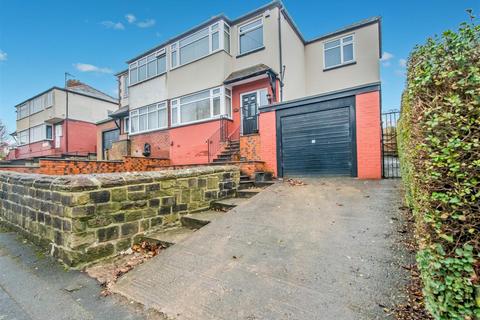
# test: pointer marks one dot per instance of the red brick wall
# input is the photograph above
(130, 164)
(158, 140)
(369, 155)
(82, 137)
(250, 148)
(268, 141)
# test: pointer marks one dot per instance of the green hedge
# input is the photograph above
(439, 144)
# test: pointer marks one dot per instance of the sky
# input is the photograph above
(92, 39)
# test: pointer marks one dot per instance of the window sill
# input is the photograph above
(249, 52)
(340, 66)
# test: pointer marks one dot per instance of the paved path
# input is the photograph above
(36, 287)
(321, 251)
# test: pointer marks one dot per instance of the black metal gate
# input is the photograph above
(390, 161)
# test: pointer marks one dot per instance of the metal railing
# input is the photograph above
(390, 161)
(220, 138)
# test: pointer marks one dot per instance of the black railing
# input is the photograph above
(220, 138)
(390, 161)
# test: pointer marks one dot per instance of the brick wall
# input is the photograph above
(85, 218)
(129, 164)
(250, 148)
(158, 140)
(268, 141)
(369, 155)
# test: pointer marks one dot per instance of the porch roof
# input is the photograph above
(249, 72)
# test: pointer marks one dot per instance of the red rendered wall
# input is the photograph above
(369, 155)
(268, 142)
(82, 137)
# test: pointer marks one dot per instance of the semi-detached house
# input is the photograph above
(255, 91)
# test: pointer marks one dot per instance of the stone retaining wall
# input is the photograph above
(84, 218)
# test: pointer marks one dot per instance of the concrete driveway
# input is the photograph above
(321, 251)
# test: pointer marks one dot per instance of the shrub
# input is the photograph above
(439, 145)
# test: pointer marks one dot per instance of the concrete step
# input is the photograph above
(244, 178)
(227, 204)
(264, 184)
(199, 219)
(248, 193)
(245, 184)
(169, 237)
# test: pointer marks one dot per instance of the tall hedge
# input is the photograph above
(439, 144)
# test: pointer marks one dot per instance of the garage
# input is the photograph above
(317, 138)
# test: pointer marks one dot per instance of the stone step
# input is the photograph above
(263, 176)
(199, 219)
(264, 184)
(244, 178)
(227, 204)
(248, 193)
(245, 184)
(169, 237)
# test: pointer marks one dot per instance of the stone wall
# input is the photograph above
(85, 218)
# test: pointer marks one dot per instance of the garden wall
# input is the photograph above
(85, 218)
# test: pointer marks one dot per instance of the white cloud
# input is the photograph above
(85, 67)
(386, 57)
(130, 18)
(402, 63)
(113, 25)
(3, 56)
(146, 23)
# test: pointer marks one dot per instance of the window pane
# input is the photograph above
(195, 111)
(153, 120)
(332, 57)
(348, 52)
(194, 37)
(194, 50)
(152, 71)
(216, 106)
(216, 91)
(332, 44)
(174, 58)
(251, 25)
(133, 75)
(196, 96)
(134, 123)
(174, 115)
(142, 72)
(251, 40)
(143, 122)
(263, 98)
(348, 39)
(228, 106)
(162, 118)
(226, 41)
(162, 64)
(215, 41)
(49, 132)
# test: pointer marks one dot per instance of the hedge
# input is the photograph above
(439, 145)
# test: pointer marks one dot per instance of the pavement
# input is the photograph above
(326, 250)
(33, 286)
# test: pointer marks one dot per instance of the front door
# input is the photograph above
(58, 135)
(249, 113)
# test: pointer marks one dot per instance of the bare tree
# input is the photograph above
(4, 139)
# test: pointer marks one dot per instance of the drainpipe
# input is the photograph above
(280, 50)
(66, 113)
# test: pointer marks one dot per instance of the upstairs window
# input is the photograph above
(339, 51)
(22, 111)
(200, 44)
(251, 36)
(125, 85)
(35, 105)
(148, 67)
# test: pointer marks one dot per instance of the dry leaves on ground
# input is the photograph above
(108, 272)
(296, 182)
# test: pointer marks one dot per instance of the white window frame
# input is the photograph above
(125, 80)
(341, 45)
(35, 105)
(251, 29)
(136, 64)
(258, 91)
(23, 132)
(136, 114)
(175, 104)
(126, 125)
(175, 47)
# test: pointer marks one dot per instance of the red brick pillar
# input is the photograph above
(268, 140)
(369, 154)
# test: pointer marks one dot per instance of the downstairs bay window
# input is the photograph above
(34, 134)
(201, 106)
(149, 118)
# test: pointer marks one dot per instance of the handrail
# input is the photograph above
(218, 139)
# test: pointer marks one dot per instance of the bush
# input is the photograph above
(439, 145)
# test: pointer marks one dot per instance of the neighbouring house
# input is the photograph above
(60, 122)
(253, 90)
